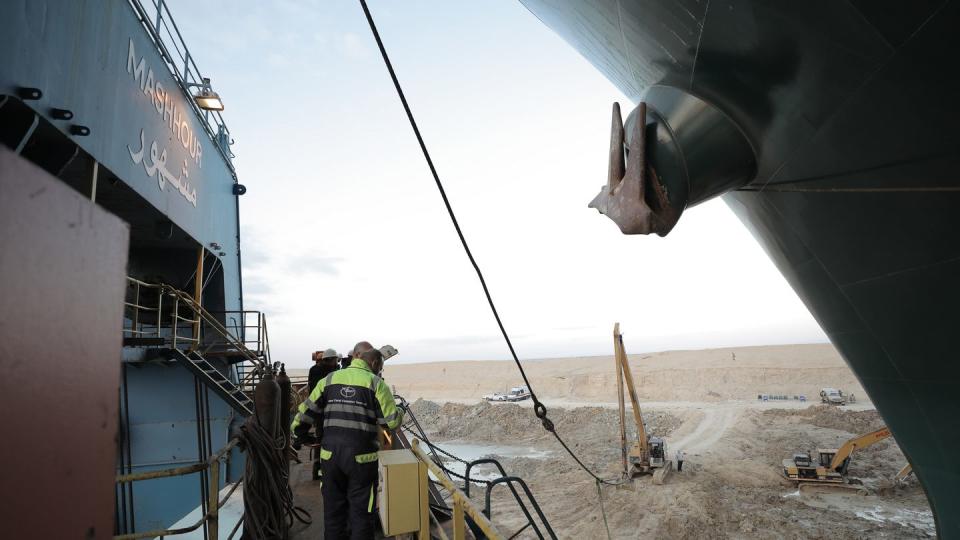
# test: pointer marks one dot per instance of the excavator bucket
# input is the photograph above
(660, 475)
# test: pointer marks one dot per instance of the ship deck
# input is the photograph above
(306, 495)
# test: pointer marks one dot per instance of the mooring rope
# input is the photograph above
(539, 409)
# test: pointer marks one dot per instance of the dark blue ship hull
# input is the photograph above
(850, 113)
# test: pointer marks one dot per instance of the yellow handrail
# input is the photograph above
(461, 503)
(200, 315)
(214, 503)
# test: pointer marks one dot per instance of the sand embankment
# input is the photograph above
(698, 375)
(731, 485)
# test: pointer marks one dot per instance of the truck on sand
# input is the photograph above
(834, 396)
(517, 393)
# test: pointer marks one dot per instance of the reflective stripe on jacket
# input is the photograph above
(351, 403)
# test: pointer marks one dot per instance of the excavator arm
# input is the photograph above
(904, 473)
(862, 441)
(624, 372)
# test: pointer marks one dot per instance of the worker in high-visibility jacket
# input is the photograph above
(351, 406)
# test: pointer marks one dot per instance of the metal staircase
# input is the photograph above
(214, 379)
(166, 319)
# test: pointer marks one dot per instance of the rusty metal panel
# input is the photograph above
(62, 268)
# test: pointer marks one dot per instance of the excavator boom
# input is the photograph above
(624, 372)
(862, 441)
(648, 454)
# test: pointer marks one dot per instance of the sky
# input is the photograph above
(345, 237)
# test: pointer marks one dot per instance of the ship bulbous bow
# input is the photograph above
(674, 151)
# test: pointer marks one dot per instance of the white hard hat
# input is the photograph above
(330, 353)
(388, 351)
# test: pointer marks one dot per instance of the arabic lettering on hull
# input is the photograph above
(157, 166)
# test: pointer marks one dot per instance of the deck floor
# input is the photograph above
(306, 494)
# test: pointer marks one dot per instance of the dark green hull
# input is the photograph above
(850, 110)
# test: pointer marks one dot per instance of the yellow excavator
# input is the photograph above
(832, 463)
(648, 454)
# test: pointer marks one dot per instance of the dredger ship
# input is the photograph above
(828, 127)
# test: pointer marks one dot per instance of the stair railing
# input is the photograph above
(149, 322)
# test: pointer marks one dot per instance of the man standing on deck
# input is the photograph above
(357, 350)
(326, 363)
(352, 403)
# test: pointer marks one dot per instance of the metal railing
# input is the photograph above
(161, 315)
(153, 322)
(510, 481)
(213, 502)
(156, 18)
(249, 326)
(462, 505)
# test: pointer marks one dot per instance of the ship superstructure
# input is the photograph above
(103, 95)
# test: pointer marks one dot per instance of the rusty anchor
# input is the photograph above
(634, 197)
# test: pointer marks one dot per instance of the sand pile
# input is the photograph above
(704, 402)
(505, 422)
(829, 416)
(730, 488)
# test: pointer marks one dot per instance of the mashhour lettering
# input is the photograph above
(163, 101)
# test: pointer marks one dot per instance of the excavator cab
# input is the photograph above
(658, 451)
(826, 459)
(826, 456)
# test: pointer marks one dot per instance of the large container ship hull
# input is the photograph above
(849, 112)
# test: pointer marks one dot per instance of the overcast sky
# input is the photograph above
(345, 237)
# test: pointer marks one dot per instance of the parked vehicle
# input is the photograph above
(518, 393)
(832, 396)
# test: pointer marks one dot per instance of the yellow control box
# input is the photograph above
(402, 494)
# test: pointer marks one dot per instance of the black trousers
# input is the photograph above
(348, 491)
(679, 465)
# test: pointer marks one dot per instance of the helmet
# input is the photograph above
(388, 351)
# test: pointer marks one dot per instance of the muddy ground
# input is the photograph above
(731, 485)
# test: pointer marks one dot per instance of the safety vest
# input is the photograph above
(352, 404)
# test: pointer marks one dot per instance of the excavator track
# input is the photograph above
(660, 475)
(842, 488)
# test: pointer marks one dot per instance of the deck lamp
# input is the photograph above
(207, 99)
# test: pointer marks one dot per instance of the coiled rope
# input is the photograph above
(267, 498)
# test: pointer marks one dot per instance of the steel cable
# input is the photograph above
(603, 512)
(540, 410)
(426, 440)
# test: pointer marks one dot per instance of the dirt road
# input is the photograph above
(696, 437)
